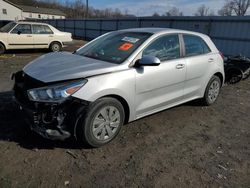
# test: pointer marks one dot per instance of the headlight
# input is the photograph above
(55, 93)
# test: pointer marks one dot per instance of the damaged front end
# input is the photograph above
(49, 109)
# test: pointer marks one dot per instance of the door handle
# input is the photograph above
(211, 60)
(180, 66)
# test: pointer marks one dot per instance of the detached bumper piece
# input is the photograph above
(54, 121)
(236, 69)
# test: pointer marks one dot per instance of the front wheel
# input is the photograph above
(212, 91)
(101, 123)
(2, 48)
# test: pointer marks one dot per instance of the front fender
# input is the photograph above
(121, 83)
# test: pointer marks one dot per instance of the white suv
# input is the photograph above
(27, 35)
(115, 79)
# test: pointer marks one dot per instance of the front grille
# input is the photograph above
(23, 83)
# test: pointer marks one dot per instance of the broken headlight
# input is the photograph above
(55, 93)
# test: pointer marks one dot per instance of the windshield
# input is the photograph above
(7, 27)
(115, 47)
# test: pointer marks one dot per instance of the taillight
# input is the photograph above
(221, 54)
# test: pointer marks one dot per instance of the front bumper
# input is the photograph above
(54, 121)
(51, 121)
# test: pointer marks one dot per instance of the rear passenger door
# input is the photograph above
(42, 35)
(198, 57)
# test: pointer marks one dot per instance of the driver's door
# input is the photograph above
(21, 37)
(158, 87)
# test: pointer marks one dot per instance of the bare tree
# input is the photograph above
(156, 14)
(227, 9)
(174, 12)
(240, 7)
(203, 10)
(237, 7)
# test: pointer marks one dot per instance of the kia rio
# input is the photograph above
(117, 78)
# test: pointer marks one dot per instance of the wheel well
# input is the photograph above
(3, 44)
(55, 42)
(220, 76)
(124, 104)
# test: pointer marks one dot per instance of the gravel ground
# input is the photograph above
(186, 146)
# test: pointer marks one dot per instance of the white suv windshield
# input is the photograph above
(114, 47)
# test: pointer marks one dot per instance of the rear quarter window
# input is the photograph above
(195, 45)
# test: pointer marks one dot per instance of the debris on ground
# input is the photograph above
(72, 154)
(237, 68)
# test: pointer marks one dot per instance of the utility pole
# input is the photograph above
(87, 8)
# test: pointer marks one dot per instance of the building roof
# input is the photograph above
(12, 4)
(33, 9)
(41, 10)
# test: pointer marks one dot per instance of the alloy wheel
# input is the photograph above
(214, 90)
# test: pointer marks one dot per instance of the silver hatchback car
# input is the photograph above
(117, 78)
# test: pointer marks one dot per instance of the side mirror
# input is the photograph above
(19, 32)
(148, 61)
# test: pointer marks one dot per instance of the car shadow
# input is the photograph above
(13, 128)
(27, 51)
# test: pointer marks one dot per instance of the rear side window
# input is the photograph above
(195, 45)
(22, 29)
(165, 48)
(41, 29)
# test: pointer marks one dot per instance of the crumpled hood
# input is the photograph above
(60, 66)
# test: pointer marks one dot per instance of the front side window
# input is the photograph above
(165, 48)
(4, 11)
(41, 29)
(22, 29)
(195, 45)
(115, 47)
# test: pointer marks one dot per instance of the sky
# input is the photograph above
(148, 7)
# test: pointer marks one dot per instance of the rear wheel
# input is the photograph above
(101, 123)
(55, 47)
(2, 48)
(212, 91)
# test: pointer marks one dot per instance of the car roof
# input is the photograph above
(158, 30)
(21, 22)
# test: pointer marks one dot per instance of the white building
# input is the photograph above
(11, 11)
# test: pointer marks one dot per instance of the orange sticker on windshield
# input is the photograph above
(126, 46)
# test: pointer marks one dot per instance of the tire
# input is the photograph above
(246, 74)
(212, 91)
(55, 47)
(93, 128)
(2, 48)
